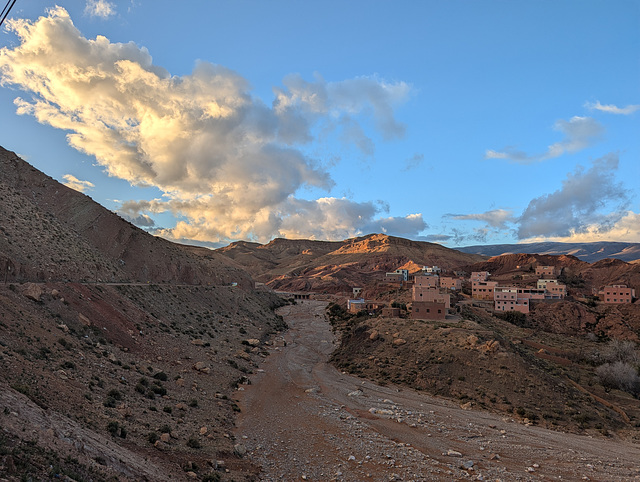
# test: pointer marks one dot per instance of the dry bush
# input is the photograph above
(621, 375)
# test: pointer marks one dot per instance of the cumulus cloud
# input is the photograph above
(228, 165)
(578, 205)
(75, 183)
(579, 133)
(496, 218)
(613, 109)
(99, 8)
(589, 206)
(624, 228)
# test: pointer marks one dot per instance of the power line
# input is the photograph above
(5, 11)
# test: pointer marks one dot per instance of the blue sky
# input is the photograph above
(459, 122)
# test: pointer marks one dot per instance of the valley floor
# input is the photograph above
(303, 420)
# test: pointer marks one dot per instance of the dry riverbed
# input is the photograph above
(303, 420)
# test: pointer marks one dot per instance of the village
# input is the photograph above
(432, 293)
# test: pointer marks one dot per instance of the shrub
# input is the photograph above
(194, 443)
(622, 351)
(115, 394)
(619, 375)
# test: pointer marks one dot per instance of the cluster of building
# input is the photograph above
(517, 298)
(431, 292)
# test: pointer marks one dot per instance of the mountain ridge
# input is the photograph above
(589, 252)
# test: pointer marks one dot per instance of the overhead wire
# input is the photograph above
(5, 11)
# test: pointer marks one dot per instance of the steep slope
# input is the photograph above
(338, 266)
(119, 352)
(112, 249)
(589, 252)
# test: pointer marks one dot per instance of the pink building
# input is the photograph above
(428, 310)
(548, 272)
(431, 295)
(553, 289)
(508, 299)
(479, 276)
(451, 283)
(617, 294)
(483, 290)
(426, 281)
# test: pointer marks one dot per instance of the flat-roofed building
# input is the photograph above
(483, 290)
(617, 294)
(428, 310)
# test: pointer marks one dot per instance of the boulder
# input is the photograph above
(32, 291)
(399, 341)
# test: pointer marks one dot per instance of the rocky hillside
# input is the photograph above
(333, 267)
(72, 237)
(582, 278)
(119, 351)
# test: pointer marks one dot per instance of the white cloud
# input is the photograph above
(579, 133)
(75, 183)
(228, 165)
(99, 8)
(613, 109)
(626, 228)
(586, 199)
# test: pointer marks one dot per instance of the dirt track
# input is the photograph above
(303, 420)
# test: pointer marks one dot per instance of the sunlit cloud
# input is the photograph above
(99, 8)
(75, 183)
(613, 109)
(626, 228)
(579, 133)
(229, 166)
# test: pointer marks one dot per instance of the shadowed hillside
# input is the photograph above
(119, 351)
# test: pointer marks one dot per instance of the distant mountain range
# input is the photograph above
(589, 252)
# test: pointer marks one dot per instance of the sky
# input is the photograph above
(456, 122)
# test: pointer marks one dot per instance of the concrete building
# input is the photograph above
(548, 272)
(617, 294)
(431, 269)
(483, 290)
(553, 289)
(390, 312)
(479, 276)
(450, 283)
(398, 275)
(426, 281)
(432, 295)
(428, 310)
(508, 299)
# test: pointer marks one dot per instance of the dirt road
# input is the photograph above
(303, 420)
